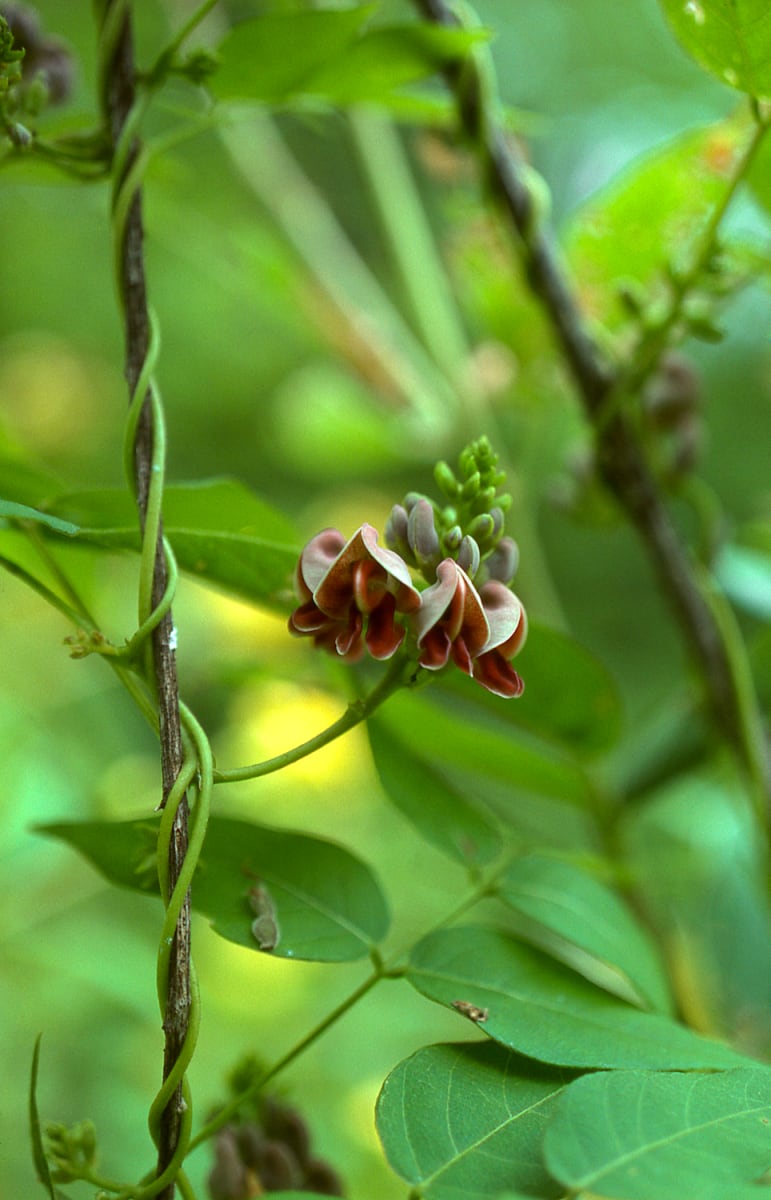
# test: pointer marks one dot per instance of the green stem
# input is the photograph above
(166, 57)
(358, 711)
(232, 1109)
(382, 970)
(654, 342)
(133, 683)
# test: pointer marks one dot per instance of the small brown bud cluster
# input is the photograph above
(672, 411)
(46, 68)
(270, 1154)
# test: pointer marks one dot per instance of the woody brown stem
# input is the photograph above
(621, 459)
(119, 100)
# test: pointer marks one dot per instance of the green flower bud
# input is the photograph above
(445, 480)
(482, 527)
(471, 487)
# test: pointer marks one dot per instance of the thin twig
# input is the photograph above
(119, 100)
(620, 456)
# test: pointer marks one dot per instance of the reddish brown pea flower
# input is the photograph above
(479, 630)
(350, 593)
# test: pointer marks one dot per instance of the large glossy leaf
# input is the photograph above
(546, 1011)
(570, 698)
(731, 38)
(639, 1135)
(650, 216)
(219, 529)
(328, 905)
(466, 1121)
(329, 55)
(443, 814)
(450, 738)
(698, 863)
(576, 918)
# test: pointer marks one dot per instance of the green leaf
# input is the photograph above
(38, 1153)
(22, 512)
(639, 1135)
(444, 734)
(273, 56)
(587, 926)
(542, 1009)
(220, 531)
(327, 903)
(570, 698)
(27, 483)
(650, 216)
(467, 1120)
(327, 55)
(698, 864)
(442, 813)
(389, 57)
(730, 38)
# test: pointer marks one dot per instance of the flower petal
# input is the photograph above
(384, 636)
(334, 591)
(435, 649)
(497, 675)
(454, 601)
(407, 595)
(317, 557)
(506, 619)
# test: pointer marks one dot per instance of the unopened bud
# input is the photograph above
(422, 535)
(445, 480)
(482, 528)
(503, 562)
(228, 1177)
(396, 530)
(471, 487)
(322, 1179)
(673, 393)
(468, 556)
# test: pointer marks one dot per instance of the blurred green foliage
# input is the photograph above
(267, 245)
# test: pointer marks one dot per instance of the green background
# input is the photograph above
(256, 385)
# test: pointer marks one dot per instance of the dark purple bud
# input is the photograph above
(228, 1177)
(322, 1179)
(396, 532)
(280, 1170)
(284, 1124)
(422, 535)
(503, 562)
(251, 1144)
(468, 556)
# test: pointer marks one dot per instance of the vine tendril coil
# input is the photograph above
(129, 164)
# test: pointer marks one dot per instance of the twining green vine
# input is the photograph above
(447, 546)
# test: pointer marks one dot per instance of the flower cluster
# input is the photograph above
(357, 595)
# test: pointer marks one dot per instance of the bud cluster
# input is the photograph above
(468, 529)
(70, 1150)
(271, 1153)
(35, 70)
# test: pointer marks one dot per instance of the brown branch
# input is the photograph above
(620, 456)
(119, 99)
